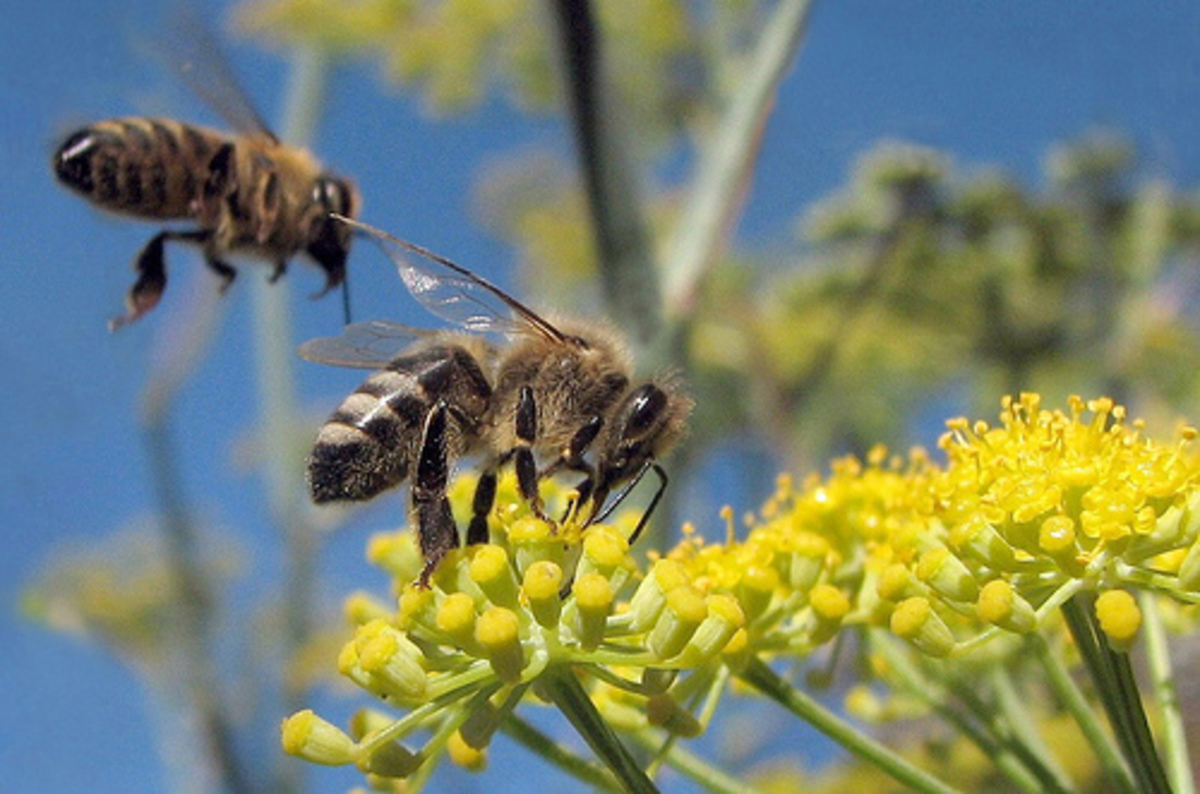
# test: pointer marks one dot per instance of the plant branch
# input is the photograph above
(723, 173)
(623, 247)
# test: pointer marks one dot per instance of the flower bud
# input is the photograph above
(915, 620)
(650, 598)
(498, 630)
(684, 612)
(394, 662)
(490, 570)
(663, 711)
(593, 601)
(829, 605)
(314, 739)
(756, 589)
(947, 575)
(392, 760)
(542, 587)
(724, 619)
(1001, 605)
(1119, 617)
(464, 755)
(456, 619)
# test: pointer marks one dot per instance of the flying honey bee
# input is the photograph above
(246, 192)
(556, 392)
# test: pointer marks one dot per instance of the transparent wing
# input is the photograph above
(450, 291)
(193, 52)
(369, 345)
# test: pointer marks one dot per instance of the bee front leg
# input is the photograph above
(572, 458)
(436, 529)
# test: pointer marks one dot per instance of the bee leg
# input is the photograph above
(278, 271)
(435, 522)
(151, 269)
(223, 269)
(523, 460)
(572, 458)
(629, 486)
(481, 505)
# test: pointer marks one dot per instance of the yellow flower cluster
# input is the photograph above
(497, 619)
(1021, 518)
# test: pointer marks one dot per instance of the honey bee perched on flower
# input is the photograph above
(557, 395)
(245, 192)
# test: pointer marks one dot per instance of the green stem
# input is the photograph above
(1115, 684)
(562, 688)
(694, 767)
(275, 371)
(936, 698)
(758, 675)
(623, 248)
(726, 164)
(193, 604)
(1025, 736)
(1077, 706)
(1174, 735)
(551, 751)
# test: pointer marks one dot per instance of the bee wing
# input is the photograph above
(193, 51)
(450, 291)
(369, 345)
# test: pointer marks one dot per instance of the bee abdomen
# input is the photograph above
(362, 450)
(143, 167)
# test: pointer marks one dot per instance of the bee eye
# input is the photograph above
(646, 405)
(333, 194)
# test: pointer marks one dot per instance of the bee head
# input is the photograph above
(329, 239)
(648, 422)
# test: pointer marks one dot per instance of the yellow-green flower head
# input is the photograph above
(1044, 505)
(538, 599)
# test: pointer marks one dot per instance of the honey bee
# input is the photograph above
(246, 192)
(555, 396)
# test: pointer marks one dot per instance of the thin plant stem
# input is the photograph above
(726, 163)
(694, 767)
(935, 696)
(563, 689)
(1000, 732)
(1077, 706)
(758, 675)
(193, 605)
(623, 248)
(1174, 736)
(554, 753)
(1024, 731)
(1113, 676)
(274, 348)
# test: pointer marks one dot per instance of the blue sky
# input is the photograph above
(990, 83)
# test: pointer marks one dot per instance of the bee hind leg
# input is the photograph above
(436, 529)
(481, 506)
(151, 269)
(224, 271)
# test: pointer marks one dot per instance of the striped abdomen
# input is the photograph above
(151, 168)
(371, 442)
